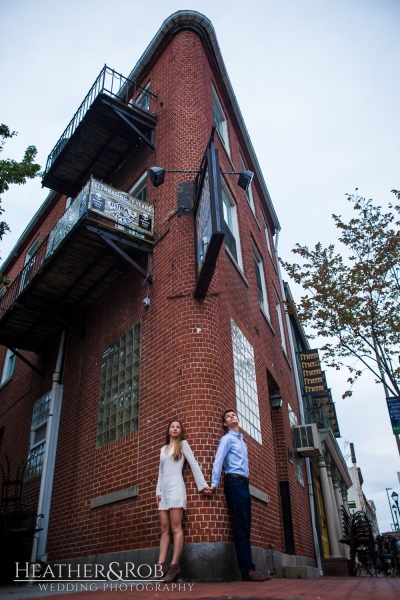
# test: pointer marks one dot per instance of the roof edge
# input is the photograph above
(183, 19)
(14, 254)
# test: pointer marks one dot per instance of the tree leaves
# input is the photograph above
(355, 297)
(12, 171)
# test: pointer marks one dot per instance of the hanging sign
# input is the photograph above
(129, 214)
(209, 222)
(393, 405)
(316, 386)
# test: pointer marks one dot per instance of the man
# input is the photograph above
(232, 456)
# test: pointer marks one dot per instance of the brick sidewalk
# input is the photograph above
(326, 588)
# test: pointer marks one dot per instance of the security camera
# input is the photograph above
(146, 302)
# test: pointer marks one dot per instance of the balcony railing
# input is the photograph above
(24, 277)
(112, 84)
(103, 206)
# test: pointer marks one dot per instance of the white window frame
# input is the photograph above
(222, 129)
(262, 301)
(266, 235)
(244, 368)
(9, 366)
(30, 253)
(297, 460)
(35, 469)
(249, 191)
(278, 307)
(143, 98)
(140, 184)
(229, 207)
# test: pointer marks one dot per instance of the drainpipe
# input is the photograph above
(301, 408)
(49, 458)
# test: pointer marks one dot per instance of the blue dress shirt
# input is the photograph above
(232, 456)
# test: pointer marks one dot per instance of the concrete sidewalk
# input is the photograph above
(325, 588)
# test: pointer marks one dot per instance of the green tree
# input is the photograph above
(12, 171)
(354, 298)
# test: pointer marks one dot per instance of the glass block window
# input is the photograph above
(245, 383)
(298, 467)
(119, 388)
(38, 437)
(297, 460)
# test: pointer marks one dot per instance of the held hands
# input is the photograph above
(208, 491)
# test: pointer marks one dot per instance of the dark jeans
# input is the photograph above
(237, 494)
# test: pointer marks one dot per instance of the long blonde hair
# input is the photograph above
(178, 443)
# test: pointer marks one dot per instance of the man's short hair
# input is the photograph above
(225, 413)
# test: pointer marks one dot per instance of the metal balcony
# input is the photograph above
(103, 233)
(109, 125)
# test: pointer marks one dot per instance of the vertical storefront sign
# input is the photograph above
(209, 222)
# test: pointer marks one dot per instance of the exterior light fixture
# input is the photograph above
(276, 400)
(245, 179)
(395, 497)
(157, 175)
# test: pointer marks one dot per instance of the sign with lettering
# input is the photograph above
(130, 214)
(67, 222)
(393, 405)
(209, 221)
(315, 385)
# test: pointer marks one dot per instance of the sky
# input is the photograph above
(317, 83)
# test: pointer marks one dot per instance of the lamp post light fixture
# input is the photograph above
(396, 523)
(276, 400)
(395, 508)
(390, 506)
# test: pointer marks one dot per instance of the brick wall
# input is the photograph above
(186, 351)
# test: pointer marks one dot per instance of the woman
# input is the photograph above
(171, 495)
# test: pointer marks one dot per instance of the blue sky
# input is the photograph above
(317, 83)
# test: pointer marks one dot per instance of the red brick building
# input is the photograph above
(102, 308)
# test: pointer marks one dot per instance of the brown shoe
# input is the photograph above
(172, 574)
(164, 569)
(255, 576)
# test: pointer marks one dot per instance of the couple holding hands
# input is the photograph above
(171, 497)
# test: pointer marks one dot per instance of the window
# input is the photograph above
(280, 320)
(231, 225)
(27, 274)
(249, 192)
(143, 99)
(119, 388)
(245, 383)
(260, 279)
(138, 190)
(220, 120)
(267, 238)
(298, 464)
(9, 366)
(38, 436)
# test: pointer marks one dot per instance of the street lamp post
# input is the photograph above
(396, 523)
(395, 508)
(390, 506)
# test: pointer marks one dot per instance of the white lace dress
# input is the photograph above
(170, 482)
